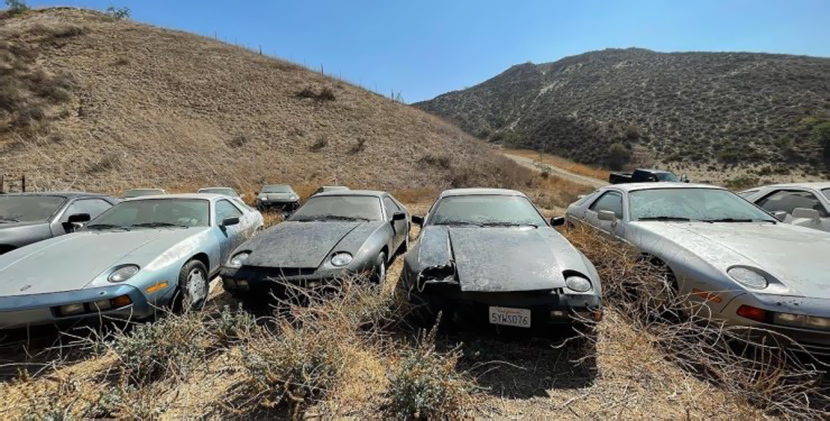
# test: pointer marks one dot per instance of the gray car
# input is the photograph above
(132, 193)
(227, 191)
(279, 196)
(802, 204)
(142, 253)
(26, 218)
(324, 189)
(489, 256)
(727, 256)
(333, 234)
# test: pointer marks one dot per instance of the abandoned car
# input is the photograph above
(803, 204)
(279, 196)
(140, 254)
(227, 191)
(489, 256)
(332, 235)
(26, 218)
(722, 255)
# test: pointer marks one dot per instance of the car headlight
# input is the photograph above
(802, 320)
(123, 273)
(748, 277)
(578, 283)
(341, 259)
(239, 259)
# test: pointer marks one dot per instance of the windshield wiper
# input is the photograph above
(7, 220)
(158, 225)
(509, 224)
(664, 218)
(738, 220)
(462, 223)
(317, 218)
(106, 227)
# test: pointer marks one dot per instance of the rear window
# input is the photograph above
(29, 208)
(277, 189)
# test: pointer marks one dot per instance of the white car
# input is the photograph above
(802, 204)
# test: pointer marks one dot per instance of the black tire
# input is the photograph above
(405, 245)
(379, 271)
(193, 287)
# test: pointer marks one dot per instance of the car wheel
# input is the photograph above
(379, 272)
(193, 287)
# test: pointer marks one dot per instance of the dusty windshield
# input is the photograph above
(28, 208)
(277, 189)
(486, 211)
(339, 208)
(826, 193)
(143, 192)
(154, 213)
(694, 205)
(666, 177)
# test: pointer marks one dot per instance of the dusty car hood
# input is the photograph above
(499, 259)
(72, 261)
(303, 244)
(799, 257)
(277, 197)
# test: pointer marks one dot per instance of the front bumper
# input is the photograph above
(41, 309)
(258, 281)
(548, 310)
(271, 204)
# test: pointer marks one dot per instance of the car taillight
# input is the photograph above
(753, 313)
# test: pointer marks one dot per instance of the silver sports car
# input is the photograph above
(748, 268)
(140, 254)
(802, 204)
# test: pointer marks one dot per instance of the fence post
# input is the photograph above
(23, 183)
(2, 182)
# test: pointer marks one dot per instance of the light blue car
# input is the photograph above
(140, 255)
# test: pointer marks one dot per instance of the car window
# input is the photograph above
(485, 210)
(610, 201)
(391, 207)
(277, 189)
(826, 193)
(242, 204)
(747, 193)
(666, 177)
(225, 210)
(147, 213)
(93, 207)
(586, 198)
(29, 208)
(693, 204)
(787, 200)
(345, 207)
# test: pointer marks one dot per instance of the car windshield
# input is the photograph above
(154, 213)
(142, 192)
(277, 189)
(826, 193)
(711, 205)
(339, 208)
(227, 192)
(666, 177)
(28, 208)
(482, 210)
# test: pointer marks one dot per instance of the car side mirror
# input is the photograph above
(806, 213)
(557, 221)
(684, 178)
(229, 222)
(780, 215)
(605, 215)
(79, 218)
(418, 220)
(398, 216)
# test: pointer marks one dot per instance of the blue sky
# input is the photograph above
(423, 48)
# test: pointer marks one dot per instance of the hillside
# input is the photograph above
(718, 109)
(90, 102)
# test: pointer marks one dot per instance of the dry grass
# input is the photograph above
(559, 162)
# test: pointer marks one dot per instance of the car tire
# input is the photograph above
(379, 271)
(193, 287)
(405, 244)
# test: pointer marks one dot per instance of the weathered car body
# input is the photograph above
(325, 189)
(746, 271)
(27, 218)
(803, 204)
(227, 191)
(478, 271)
(117, 267)
(280, 196)
(133, 193)
(307, 247)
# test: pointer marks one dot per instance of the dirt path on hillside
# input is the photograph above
(576, 178)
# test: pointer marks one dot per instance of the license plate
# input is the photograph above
(518, 317)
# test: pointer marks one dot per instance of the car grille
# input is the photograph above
(277, 273)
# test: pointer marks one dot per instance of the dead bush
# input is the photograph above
(437, 160)
(319, 144)
(426, 384)
(359, 146)
(324, 95)
(238, 141)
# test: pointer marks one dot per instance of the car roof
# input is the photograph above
(481, 192)
(66, 194)
(145, 188)
(204, 196)
(629, 187)
(373, 193)
(811, 185)
(654, 171)
(215, 188)
(335, 187)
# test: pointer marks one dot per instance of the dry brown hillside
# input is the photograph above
(90, 102)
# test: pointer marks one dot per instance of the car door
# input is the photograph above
(787, 200)
(230, 237)
(609, 201)
(91, 206)
(399, 227)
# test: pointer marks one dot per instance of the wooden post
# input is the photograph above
(2, 182)
(23, 183)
